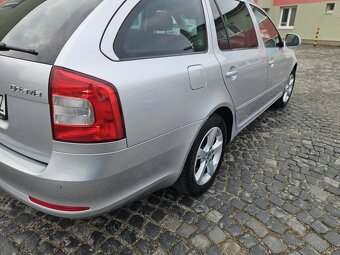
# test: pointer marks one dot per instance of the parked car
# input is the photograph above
(104, 101)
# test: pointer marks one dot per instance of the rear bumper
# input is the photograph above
(101, 181)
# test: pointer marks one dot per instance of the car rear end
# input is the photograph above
(41, 104)
(64, 145)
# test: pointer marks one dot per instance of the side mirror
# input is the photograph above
(292, 40)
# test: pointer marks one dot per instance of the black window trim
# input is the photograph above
(119, 59)
(225, 28)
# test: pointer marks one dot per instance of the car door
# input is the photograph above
(162, 59)
(243, 61)
(278, 57)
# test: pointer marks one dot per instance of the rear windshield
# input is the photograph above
(41, 25)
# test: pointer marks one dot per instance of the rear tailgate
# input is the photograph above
(24, 93)
(43, 26)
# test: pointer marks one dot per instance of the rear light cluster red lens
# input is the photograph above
(84, 109)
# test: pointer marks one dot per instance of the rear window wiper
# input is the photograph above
(5, 47)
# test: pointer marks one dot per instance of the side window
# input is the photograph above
(160, 28)
(222, 37)
(269, 33)
(240, 28)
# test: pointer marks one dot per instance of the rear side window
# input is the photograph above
(238, 25)
(161, 28)
(41, 25)
(222, 37)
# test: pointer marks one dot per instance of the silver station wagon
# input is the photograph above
(103, 101)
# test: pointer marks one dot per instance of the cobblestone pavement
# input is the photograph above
(278, 191)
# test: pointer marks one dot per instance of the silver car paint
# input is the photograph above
(28, 130)
(163, 111)
(146, 83)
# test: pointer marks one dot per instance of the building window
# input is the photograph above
(330, 7)
(288, 15)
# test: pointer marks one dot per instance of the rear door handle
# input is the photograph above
(271, 62)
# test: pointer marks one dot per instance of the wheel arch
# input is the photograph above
(228, 118)
(295, 68)
(221, 111)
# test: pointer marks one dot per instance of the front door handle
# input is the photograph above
(271, 62)
(231, 73)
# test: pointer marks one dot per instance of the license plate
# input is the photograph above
(3, 107)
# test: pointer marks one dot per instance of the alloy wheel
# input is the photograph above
(208, 155)
(289, 88)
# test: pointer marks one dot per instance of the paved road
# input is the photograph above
(278, 191)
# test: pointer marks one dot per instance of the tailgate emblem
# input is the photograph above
(25, 91)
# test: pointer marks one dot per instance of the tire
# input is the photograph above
(200, 171)
(287, 92)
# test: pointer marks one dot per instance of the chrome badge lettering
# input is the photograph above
(17, 89)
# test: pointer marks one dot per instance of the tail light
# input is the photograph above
(84, 109)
